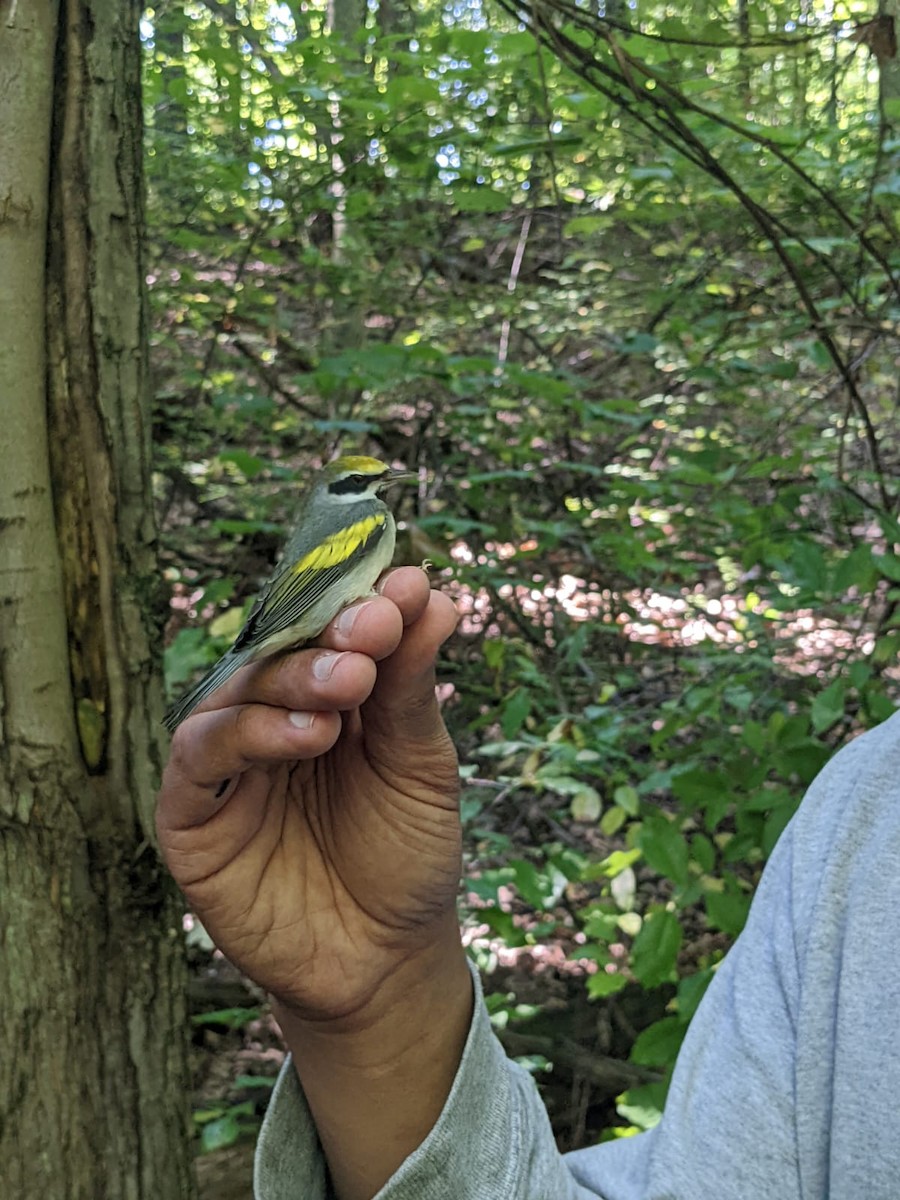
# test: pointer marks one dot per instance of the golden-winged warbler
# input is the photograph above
(341, 541)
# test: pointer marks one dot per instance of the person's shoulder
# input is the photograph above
(842, 848)
(863, 777)
(875, 745)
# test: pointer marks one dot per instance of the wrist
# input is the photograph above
(377, 1081)
(421, 984)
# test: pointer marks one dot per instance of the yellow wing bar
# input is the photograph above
(340, 546)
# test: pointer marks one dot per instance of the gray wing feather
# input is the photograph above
(288, 596)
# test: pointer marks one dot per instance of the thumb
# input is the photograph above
(402, 706)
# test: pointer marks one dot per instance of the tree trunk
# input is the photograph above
(889, 62)
(93, 1083)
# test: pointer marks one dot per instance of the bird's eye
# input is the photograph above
(360, 480)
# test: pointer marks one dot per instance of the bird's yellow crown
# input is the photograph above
(359, 463)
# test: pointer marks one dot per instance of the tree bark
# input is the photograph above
(93, 1081)
(889, 62)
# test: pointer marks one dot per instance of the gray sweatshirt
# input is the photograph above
(787, 1085)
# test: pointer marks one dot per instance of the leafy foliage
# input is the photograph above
(624, 288)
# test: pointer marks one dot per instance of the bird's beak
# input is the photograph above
(400, 476)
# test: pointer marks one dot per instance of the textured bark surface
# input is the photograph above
(93, 1093)
(889, 58)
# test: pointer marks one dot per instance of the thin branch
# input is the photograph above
(551, 145)
(772, 40)
(511, 283)
(600, 29)
(622, 89)
(241, 266)
(270, 377)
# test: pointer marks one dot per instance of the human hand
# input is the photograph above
(323, 856)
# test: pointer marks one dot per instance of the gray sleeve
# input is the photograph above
(786, 1084)
(492, 1140)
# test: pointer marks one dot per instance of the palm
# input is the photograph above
(349, 862)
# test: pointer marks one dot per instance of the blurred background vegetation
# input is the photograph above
(620, 281)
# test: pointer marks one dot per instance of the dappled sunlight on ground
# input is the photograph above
(807, 640)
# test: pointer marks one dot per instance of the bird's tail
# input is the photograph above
(224, 669)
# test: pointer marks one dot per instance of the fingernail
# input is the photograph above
(324, 664)
(347, 619)
(301, 720)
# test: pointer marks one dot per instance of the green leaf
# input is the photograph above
(539, 888)
(802, 761)
(605, 983)
(700, 788)
(879, 707)
(639, 343)
(855, 570)
(888, 565)
(887, 648)
(563, 785)
(775, 825)
(190, 649)
(612, 820)
(727, 910)
(586, 804)
(263, 1082)
(807, 566)
(480, 200)
(820, 355)
(586, 224)
(767, 798)
(703, 852)
(659, 1043)
(470, 43)
(643, 1106)
(828, 706)
(216, 592)
(601, 924)
(250, 465)
(494, 651)
(227, 624)
(514, 712)
(220, 1133)
(664, 847)
(627, 799)
(612, 864)
(516, 45)
(502, 924)
(655, 949)
(233, 1018)
(691, 990)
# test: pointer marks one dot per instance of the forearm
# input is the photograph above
(376, 1083)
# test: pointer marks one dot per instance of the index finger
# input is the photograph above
(211, 751)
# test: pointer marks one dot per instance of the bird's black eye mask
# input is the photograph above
(351, 483)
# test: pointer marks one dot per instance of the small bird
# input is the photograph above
(342, 539)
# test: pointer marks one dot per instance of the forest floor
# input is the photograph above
(236, 1053)
(227, 1174)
